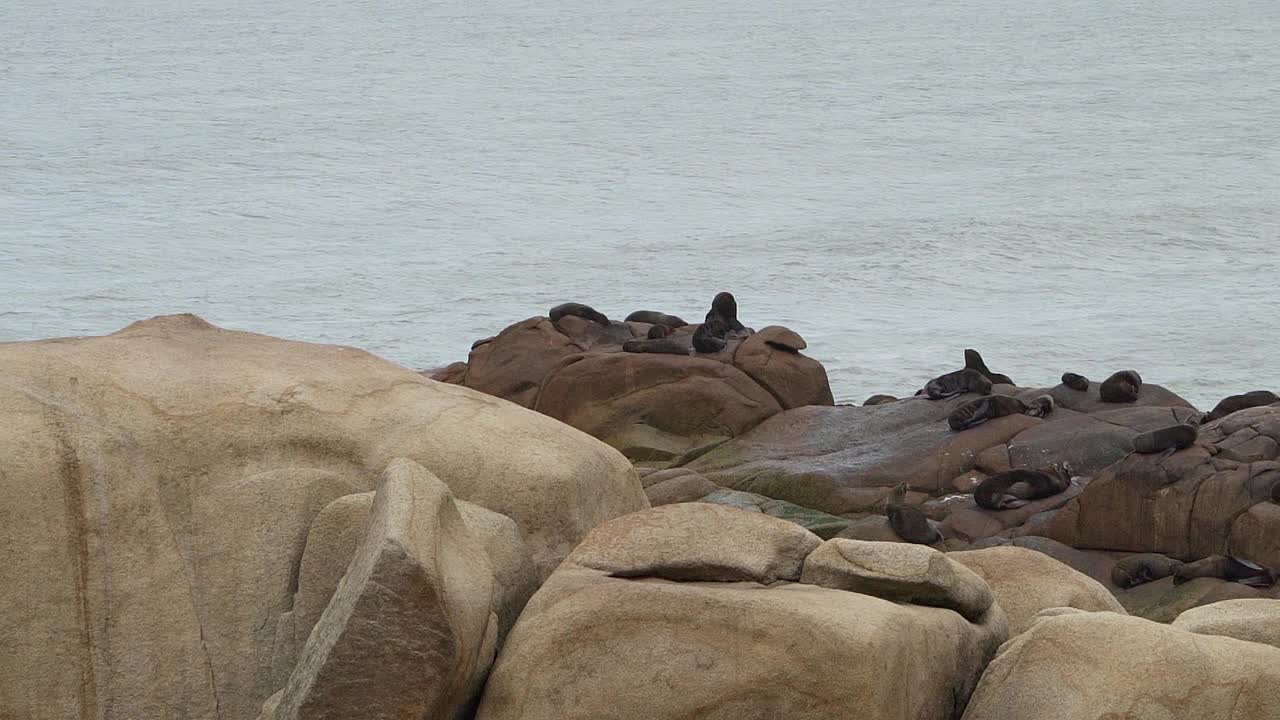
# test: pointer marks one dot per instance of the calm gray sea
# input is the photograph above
(1086, 186)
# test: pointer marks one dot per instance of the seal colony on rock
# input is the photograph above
(1236, 403)
(1122, 387)
(958, 383)
(656, 318)
(1075, 382)
(1143, 568)
(977, 411)
(585, 312)
(907, 521)
(973, 361)
(1013, 488)
(1226, 567)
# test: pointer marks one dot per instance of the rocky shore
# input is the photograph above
(646, 518)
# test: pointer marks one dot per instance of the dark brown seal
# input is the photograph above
(1236, 403)
(1013, 488)
(711, 336)
(1144, 568)
(656, 318)
(1122, 387)
(657, 332)
(1075, 382)
(725, 308)
(1041, 406)
(909, 522)
(1226, 567)
(977, 411)
(1167, 439)
(583, 311)
(957, 383)
(880, 399)
(973, 361)
(664, 346)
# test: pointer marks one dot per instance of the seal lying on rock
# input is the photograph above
(657, 332)
(957, 383)
(1013, 488)
(656, 318)
(664, 346)
(724, 307)
(1075, 382)
(1041, 406)
(880, 399)
(973, 361)
(1226, 567)
(1236, 403)
(583, 311)
(1122, 387)
(977, 411)
(711, 336)
(1166, 440)
(1144, 568)
(909, 522)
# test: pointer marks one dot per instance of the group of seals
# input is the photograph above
(1075, 382)
(973, 361)
(721, 321)
(1122, 387)
(908, 521)
(1013, 488)
(583, 311)
(958, 383)
(979, 410)
(1236, 403)
(711, 336)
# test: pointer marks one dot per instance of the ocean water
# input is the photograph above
(1084, 186)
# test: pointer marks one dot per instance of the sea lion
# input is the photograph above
(1075, 382)
(664, 346)
(880, 399)
(1121, 387)
(1226, 567)
(1167, 440)
(979, 410)
(725, 307)
(1143, 568)
(1013, 488)
(711, 336)
(483, 341)
(908, 521)
(957, 383)
(657, 332)
(656, 318)
(1041, 406)
(583, 311)
(973, 361)
(1236, 403)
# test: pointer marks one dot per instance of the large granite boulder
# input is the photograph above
(1252, 620)
(625, 642)
(1090, 666)
(160, 485)
(651, 406)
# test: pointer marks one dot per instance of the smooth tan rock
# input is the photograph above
(793, 379)
(657, 476)
(698, 541)
(898, 571)
(1025, 582)
(409, 631)
(513, 364)
(685, 488)
(1252, 620)
(159, 485)
(1091, 666)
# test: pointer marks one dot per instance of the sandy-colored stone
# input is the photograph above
(685, 488)
(901, 572)
(793, 379)
(1025, 582)
(1252, 620)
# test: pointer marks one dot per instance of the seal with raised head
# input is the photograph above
(909, 522)
(973, 361)
(583, 311)
(664, 346)
(979, 410)
(1244, 401)
(1143, 568)
(880, 399)
(1013, 488)
(1166, 440)
(711, 336)
(656, 318)
(1075, 382)
(1121, 387)
(1041, 406)
(1226, 567)
(725, 308)
(957, 383)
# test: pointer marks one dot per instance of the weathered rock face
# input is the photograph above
(1252, 620)
(160, 484)
(595, 645)
(1025, 582)
(650, 406)
(1212, 498)
(1088, 666)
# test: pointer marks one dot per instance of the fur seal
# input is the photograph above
(656, 318)
(1122, 387)
(725, 308)
(1041, 406)
(711, 336)
(1166, 440)
(1013, 488)
(909, 522)
(583, 311)
(973, 361)
(1075, 382)
(483, 341)
(1236, 403)
(1226, 567)
(880, 399)
(957, 383)
(977, 411)
(1143, 568)
(664, 346)
(657, 332)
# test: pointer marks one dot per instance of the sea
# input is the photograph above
(1081, 186)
